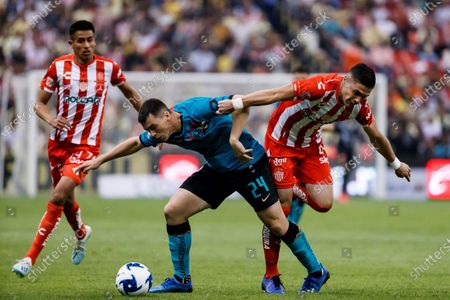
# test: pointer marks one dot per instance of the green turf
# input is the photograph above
(226, 256)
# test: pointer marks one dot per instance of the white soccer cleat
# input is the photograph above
(22, 267)
(79, 251)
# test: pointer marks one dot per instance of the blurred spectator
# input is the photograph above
(202, 59)
(408, 41)
(349, 134)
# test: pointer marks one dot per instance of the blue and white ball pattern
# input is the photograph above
(133, 279)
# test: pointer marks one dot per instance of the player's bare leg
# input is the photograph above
(49, 223)
(182, 205)
(82, 232)
(318, 196)
(275, 220)
(73, 214)
(62, 196)
(297, 205)
(63, 191)
(285, 197)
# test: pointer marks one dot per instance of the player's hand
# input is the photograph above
(225, 107)
(404, 172)
(60, 123)
(87, 166)
(244, 155)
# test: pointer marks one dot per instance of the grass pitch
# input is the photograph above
(370, 248)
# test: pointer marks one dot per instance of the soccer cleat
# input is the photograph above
(343, 198)
(314, 284)
(79, 251)
(22, 267)
(272, 285)
(172, 285)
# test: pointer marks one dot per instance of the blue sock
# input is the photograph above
(179, 245)
(297, 208)
(302, 250)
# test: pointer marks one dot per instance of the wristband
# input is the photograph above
(237, 103)
(395, 164)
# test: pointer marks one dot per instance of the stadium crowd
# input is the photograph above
(407, 40)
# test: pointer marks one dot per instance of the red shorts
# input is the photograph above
(65, 156)
(298, 165)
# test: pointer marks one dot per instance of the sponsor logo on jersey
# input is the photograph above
(99, 88)
(279, 161)
(82, 100)
(67, 75)
(306, 95)
(323, 160)
(83, 86)
(198, 130)
(49, 82)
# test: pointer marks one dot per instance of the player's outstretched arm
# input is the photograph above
(383, 146)
(261, 97)
(128, 147)
(131, 94)
(240, 118)
(43, 112)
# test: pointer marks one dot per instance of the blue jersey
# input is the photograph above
(208, 133)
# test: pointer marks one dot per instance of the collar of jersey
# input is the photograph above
(80, 65)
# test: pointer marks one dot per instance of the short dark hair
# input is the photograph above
(81, 26)
(364, 75)
(151, 106)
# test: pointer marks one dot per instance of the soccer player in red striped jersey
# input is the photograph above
(294, 145)
(80, 82)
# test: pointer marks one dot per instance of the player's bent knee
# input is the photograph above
(168, 212)
(277, 228)
(285, 200)
(172, 214)
(325, 207)
(285, 197)
(322, 206)
(59, 197)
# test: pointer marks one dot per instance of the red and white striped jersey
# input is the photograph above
(81, 91)
(296, 123)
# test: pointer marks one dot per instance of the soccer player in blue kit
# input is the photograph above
(193, 124)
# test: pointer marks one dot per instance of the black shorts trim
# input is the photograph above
(254, 183)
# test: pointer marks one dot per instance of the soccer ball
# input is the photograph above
(133, 279)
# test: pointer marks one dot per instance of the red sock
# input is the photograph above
(73, 215)
(286, 210)
(271, 246)
(48, 224)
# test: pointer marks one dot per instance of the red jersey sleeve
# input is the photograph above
(311, 88)
(117, 76)
(49, 81)
(365, 116)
